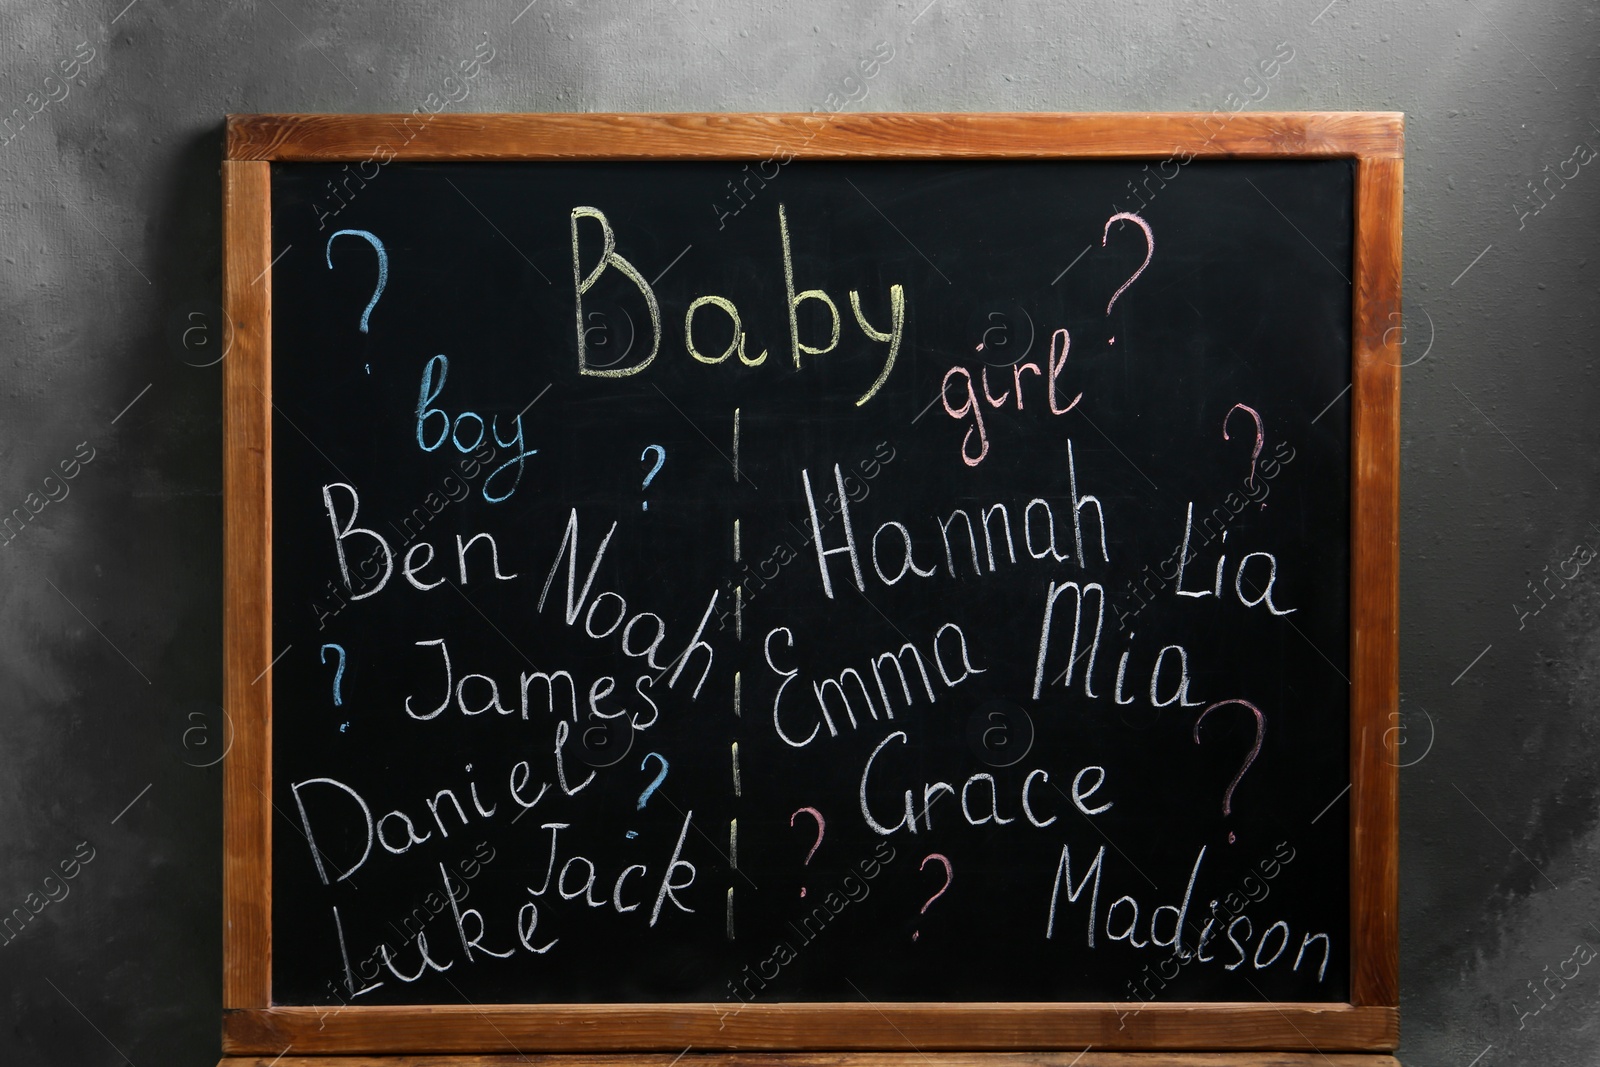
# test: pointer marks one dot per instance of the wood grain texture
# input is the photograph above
(1375, 587)
(858, 1026)
(1088, 1058)
(355, 138)
(247, 585)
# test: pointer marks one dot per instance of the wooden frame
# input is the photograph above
(1298, 1032)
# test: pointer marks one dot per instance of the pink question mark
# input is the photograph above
(1149, 251)
(949, 875)
(821, 826)
(1260, 436)
(1261, 729)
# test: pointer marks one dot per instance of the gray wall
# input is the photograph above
(110, 599)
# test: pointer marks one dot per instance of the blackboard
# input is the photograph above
(812, 580)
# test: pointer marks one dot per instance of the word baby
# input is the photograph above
(711, 304)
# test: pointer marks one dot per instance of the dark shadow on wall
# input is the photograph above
(130, 958)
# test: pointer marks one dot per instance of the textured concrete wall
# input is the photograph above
(110, 596)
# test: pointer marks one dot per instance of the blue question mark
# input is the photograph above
(383, 268)
(661, 458)
(650, 789)
(338, 674)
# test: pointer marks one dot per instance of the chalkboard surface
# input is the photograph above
(962, 614)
